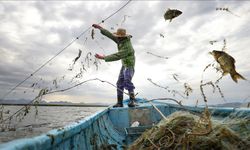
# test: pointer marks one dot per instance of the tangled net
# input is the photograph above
(183, 130)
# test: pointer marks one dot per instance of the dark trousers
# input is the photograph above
(125, 81)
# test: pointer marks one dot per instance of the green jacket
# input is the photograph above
(125, 50)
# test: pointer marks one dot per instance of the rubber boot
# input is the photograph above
(119, 102)
(132, 100)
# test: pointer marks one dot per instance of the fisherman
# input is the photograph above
(126, 54)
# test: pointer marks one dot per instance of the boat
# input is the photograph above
(112, 128)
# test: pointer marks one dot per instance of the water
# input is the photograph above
(48, 118)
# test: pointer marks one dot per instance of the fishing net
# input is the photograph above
(183, 130)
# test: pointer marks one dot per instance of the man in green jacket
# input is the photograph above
(126, 55)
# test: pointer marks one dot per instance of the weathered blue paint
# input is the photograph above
(111, 127)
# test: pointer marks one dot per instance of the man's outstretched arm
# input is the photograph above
(105, 32)
(116, 56)
(113, 57)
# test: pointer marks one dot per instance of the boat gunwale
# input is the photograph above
(56, 136)
(51, 138)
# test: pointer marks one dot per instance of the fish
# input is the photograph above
(79, 55)
(93, 34)
(212, 42)
(227, 64)
(124, 19)
(171, 14)
(175, 77)
(161, 35)
(55, 83)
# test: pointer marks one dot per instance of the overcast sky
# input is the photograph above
(31, 32)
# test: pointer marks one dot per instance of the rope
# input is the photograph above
(11, 90)
(116, 11)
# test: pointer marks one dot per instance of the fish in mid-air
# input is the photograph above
(171, 14)
(227, 64)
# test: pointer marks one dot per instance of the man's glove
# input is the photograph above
(96, 26)
(99, 56)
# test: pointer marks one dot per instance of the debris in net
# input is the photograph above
(50, 89)
(62, 78)
(197, 102)
(212, 42)
(217, 68)
(42, 92)
(124, 19)
(6, 112)
(96, 63)
(157, 55)
(79, 75)
(206, 67)
(227, 64)
(183, 130)
(188, 89)
(227, 10)
(175, 77)
(83, 66)
(161, 35)
(173, 92)
(224, 45)
(88, 58)
(36, 108)
(1, 112)
(171, 14)
(202, 90)
(22, 112)
(221, 94)
(92, 34)
(45, 91)
(85, 41)
(166, 88)
(55, 83)
(218, 80)
(34, 84)
(214, 86)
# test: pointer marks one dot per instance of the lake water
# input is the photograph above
(48, 118)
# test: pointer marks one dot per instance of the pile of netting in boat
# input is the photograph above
(183, 130)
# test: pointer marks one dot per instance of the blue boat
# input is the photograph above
(111, 128)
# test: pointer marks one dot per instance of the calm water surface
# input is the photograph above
(48, 118)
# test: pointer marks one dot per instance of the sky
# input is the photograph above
(34, 31)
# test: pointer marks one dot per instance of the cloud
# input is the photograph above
(33, 33)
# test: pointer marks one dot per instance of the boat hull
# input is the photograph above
(111, 128)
